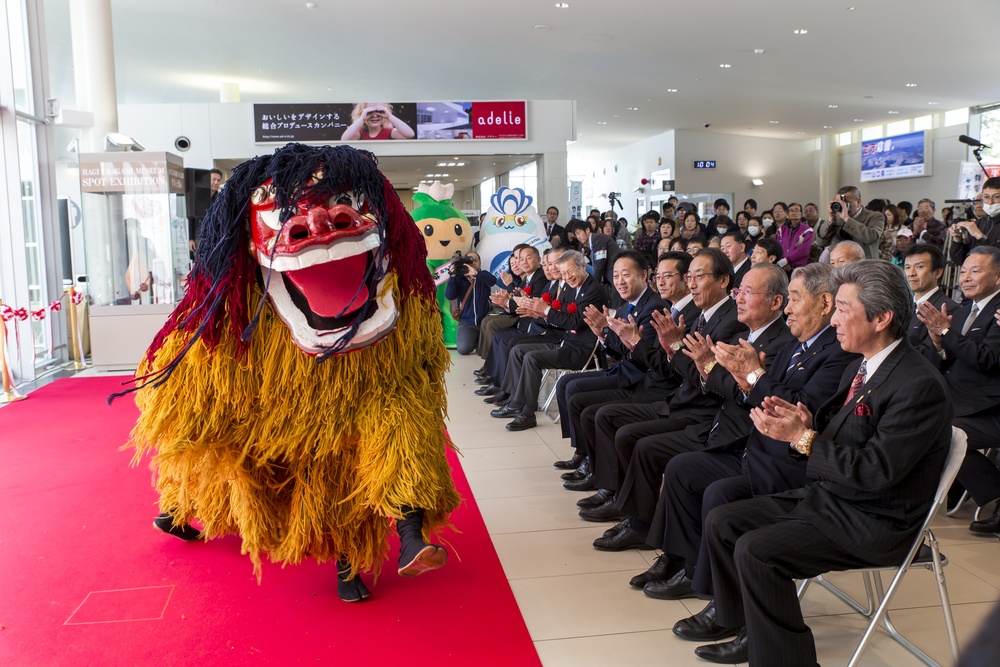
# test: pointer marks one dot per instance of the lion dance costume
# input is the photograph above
(295, 396)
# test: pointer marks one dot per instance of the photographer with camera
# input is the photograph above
(470, 286)
(848, 220)
(967, 234)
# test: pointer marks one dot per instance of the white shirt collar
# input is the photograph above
(981, 303)
(756, 332)
(633, 303)
(927, 296)
(737, 267)
(707, 314)
(871, 365)
(682, 303)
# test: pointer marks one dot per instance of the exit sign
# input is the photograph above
(704, 164)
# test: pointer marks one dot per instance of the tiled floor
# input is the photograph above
(576, 600)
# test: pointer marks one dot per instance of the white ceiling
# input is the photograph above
(608, 56)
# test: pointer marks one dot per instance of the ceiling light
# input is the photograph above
(310, 5)
(633, 108)
(828, 127)
(542, 26)
(602, 122)
(893, 112)
(773, 122)
(800, 133)
(911, 85)
(933, 103)
(671, 90)
(859, 120)
(850, 9)
(757, 182)
(758, 52)
(562, 5)
(831, 106)
(800, 31)
(725, 65)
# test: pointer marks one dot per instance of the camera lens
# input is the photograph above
(836, 207)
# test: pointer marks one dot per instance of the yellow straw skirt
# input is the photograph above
(303, 459)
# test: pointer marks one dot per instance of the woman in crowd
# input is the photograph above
(610, 229)
(893, 221)
(754, 232)
(668, 229)
(767, 222)
(692, 226)
(679, 244)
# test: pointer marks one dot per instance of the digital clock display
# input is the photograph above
(704, 164)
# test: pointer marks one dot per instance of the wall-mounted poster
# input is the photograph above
(902, 156)
(384, 121)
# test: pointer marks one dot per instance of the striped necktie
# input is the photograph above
(796, 358)
(857, 383)
(701, 323)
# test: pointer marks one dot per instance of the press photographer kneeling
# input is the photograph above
(469, 290)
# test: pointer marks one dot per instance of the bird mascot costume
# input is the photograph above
(296, 395)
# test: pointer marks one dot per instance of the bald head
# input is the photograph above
(846, 252)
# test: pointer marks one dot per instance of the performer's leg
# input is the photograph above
(165, 523)
(415, 555)
(350, 589)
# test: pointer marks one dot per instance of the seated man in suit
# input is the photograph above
(537, 279)
(620, 383)
(968, 344)
(582, 411)
(759, 304)
(807, 371)
(523, 377)
(923, 265)
(501, 317)
(876, 449)
(619, 427)
(600, 249)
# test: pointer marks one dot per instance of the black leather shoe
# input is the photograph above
(582, 471)
(662, 569)
(727, 653)
(480, 372)
(989, 526)
(505, 412)
(602, 496)
(626, 539)
(606, 512)
(702, 626)
(498, 398)
(488, 390)
(522, 423)
(585, 484)
(618, 527)
(570, 464)
(677, 587)
(483, 379)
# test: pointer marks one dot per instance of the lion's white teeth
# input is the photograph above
(321, 255)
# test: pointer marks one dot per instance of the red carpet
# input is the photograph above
(86, 580)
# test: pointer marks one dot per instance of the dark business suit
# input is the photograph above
(640, 485)
(740, 272)
(578, 391)
(695, 483)
(878, 467)
(523, 332)
(528, 362)
(919, 338)
(602, 251)
(971, 368)
(557, 231)
(621, 426)
(597, 420)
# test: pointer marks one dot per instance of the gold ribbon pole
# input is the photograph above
(10, 392)
(76, 347)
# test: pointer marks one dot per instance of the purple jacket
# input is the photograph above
(795, 243)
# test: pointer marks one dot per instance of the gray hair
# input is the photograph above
(574, 256)
(816, 278)
(776, 280)
(990, 251)
(857, 251)
(882, 288)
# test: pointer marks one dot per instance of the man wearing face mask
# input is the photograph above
(968, 234)
(851, 222)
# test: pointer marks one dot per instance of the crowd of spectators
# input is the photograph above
(776, 396)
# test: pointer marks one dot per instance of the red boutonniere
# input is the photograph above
(556, 304)
(862, 410)
(527, 291)
(547, 298)
(571, 308)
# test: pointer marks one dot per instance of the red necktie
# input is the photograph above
(859, 381)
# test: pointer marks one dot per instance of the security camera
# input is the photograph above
(708, 125)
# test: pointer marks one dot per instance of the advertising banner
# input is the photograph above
(385, 121)
(902, 156)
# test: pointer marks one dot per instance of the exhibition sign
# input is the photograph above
(902, 156)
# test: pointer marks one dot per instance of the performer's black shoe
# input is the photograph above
(350, 590)
(165, 523)
(415, 555)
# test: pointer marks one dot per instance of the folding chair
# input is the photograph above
(592, 363)
(991, 454)
(927, 556)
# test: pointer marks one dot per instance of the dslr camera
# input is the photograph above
(460, 266)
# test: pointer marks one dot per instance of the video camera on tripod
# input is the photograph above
(615, 198)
